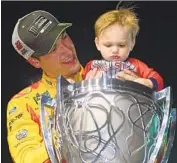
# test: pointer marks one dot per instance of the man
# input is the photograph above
(41, 39)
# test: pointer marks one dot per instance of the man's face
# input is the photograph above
(115, 42)
(62, 60)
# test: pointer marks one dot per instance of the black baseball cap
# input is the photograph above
(35, 34)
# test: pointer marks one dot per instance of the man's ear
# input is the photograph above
(97, 43)
(34, 62)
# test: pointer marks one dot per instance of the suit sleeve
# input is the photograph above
(25, 142)
(87, 68)
(149, 73)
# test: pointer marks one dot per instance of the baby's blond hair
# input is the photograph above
(122, 16)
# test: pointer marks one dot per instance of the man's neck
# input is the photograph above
(71, 76)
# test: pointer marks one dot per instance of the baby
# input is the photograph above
(115, 37)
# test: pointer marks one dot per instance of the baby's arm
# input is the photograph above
(151, 76)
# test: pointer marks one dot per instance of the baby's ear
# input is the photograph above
(97, 43)
(133, 44)
(34, 62)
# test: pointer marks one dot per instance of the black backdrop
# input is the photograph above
(156, 44)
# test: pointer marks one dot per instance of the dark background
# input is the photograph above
(156, 44)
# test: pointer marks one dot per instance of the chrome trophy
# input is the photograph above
(108, 120)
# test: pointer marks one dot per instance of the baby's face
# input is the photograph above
(115, 42)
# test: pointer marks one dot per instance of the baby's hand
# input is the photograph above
(132, 76)
(127, 75)
(146, 82)
(92, 74)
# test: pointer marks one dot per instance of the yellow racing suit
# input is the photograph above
(25, 140)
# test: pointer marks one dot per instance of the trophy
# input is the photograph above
(107, 120)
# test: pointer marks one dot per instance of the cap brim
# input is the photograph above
(50, 39)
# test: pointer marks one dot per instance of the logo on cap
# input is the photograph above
(39, 25)
(20, 47)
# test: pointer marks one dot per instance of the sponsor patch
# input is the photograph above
(21, 134)
(12, 110)
(14, 119)
(20, 47)
(38, 96)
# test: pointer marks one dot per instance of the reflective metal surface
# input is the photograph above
(109, 120)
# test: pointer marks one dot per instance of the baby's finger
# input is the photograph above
(98, 74)
(91, 74)
(125, 76)
(129, 72)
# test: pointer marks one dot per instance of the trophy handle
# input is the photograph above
(47, 131)
(172, 128)
(165, 96)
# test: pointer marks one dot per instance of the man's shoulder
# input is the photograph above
(23, 99)
(25, 94)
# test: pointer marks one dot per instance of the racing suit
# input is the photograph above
(137, 66)
(25, 140)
